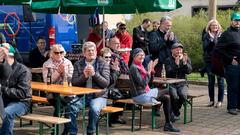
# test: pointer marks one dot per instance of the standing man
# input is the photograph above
(140, 36)
(92, 72)
(161, 41)
(178, 65)
(16, 89)
(125, 41)
(228, 47)
(39, 55)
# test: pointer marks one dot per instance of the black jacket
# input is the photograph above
(36, 58)
(138, 42)
(159, 48)
(17, 88)
(138, 84)
(228, 45)
(208, 46)
(177, 71)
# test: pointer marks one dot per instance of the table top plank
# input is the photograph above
(57, 88)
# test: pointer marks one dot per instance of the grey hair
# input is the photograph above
(88, 44)
(165, 18)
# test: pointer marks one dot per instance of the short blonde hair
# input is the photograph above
(87, 45)
(213, 21)
(57, 47)
(105, 50)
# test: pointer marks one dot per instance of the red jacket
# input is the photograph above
(125, 42)
(95, 38)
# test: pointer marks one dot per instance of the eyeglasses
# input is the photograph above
(58, 52)
(107, 57)
(123, 28)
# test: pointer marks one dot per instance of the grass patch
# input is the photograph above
(197, 77)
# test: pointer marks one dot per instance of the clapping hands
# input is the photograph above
(89, 71)
(151, 66)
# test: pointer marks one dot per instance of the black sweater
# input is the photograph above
(229, 45)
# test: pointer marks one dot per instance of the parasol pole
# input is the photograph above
(103, 40)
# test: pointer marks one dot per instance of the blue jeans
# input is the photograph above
(95, 107)
(232, 73)
(71, 111)
(211, 84)
(12, 110)
(147, 98)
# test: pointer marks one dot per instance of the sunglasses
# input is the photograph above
(59, 52)
(107, 57)
(123, 28)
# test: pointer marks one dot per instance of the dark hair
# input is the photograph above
(122, 25)
(41, 37)
(146, 21)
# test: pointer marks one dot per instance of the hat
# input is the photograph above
(235, 16)
(176, 45)
(9, 47)
(136, 51)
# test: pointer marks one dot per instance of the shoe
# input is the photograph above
(219, 104)
(174, 118)
(232, 111)
(211, 103)
(89, 133)
(157, 112)
(201, 71)
(169, 127)
(119, 121)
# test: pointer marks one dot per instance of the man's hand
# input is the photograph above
(234, 62)
(185, 58)
(89, 70)
(115, 65)
(3, 54)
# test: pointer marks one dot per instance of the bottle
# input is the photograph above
(49, 76)
(163, 71)
(65, 81)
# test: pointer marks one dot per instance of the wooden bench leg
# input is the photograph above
(153, 117)
(185, 111)
(133, 117)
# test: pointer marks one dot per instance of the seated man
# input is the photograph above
(16, 89)
(92, 72)
(178, 66)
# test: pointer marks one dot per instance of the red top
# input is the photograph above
(95, 38)
(125, 42)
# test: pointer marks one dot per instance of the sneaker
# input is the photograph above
(169, 127)
(210, 104)
(232, 111)
(219, 104)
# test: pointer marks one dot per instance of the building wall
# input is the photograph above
(188, 4)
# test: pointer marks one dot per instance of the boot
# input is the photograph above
(169, 127)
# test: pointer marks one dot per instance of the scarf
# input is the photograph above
(143, 73)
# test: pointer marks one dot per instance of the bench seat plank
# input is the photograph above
(39, 99)
(45, 119)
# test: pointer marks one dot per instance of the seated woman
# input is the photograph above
(141, 92)
(62, 69)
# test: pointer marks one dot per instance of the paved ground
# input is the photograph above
(206, 121)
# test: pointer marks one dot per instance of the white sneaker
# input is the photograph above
(219, 104)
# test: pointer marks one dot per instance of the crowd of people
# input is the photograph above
(153, 54)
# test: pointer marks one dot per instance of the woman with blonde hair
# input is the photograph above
(210, 38)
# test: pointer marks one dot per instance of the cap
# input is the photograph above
(9, 47)
(136, 51)
(176, 45)
(235, 16)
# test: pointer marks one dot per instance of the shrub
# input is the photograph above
(188, 31)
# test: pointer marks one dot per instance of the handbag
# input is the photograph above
(114, 93)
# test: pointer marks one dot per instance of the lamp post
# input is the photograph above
(212, 9)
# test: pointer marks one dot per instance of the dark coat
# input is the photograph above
(208, 46)
(228, 45)
(159, 48)
(36, 58)
(17, 88)
(177, 71)
(138, 84)
(138, 42)
(100, 80)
